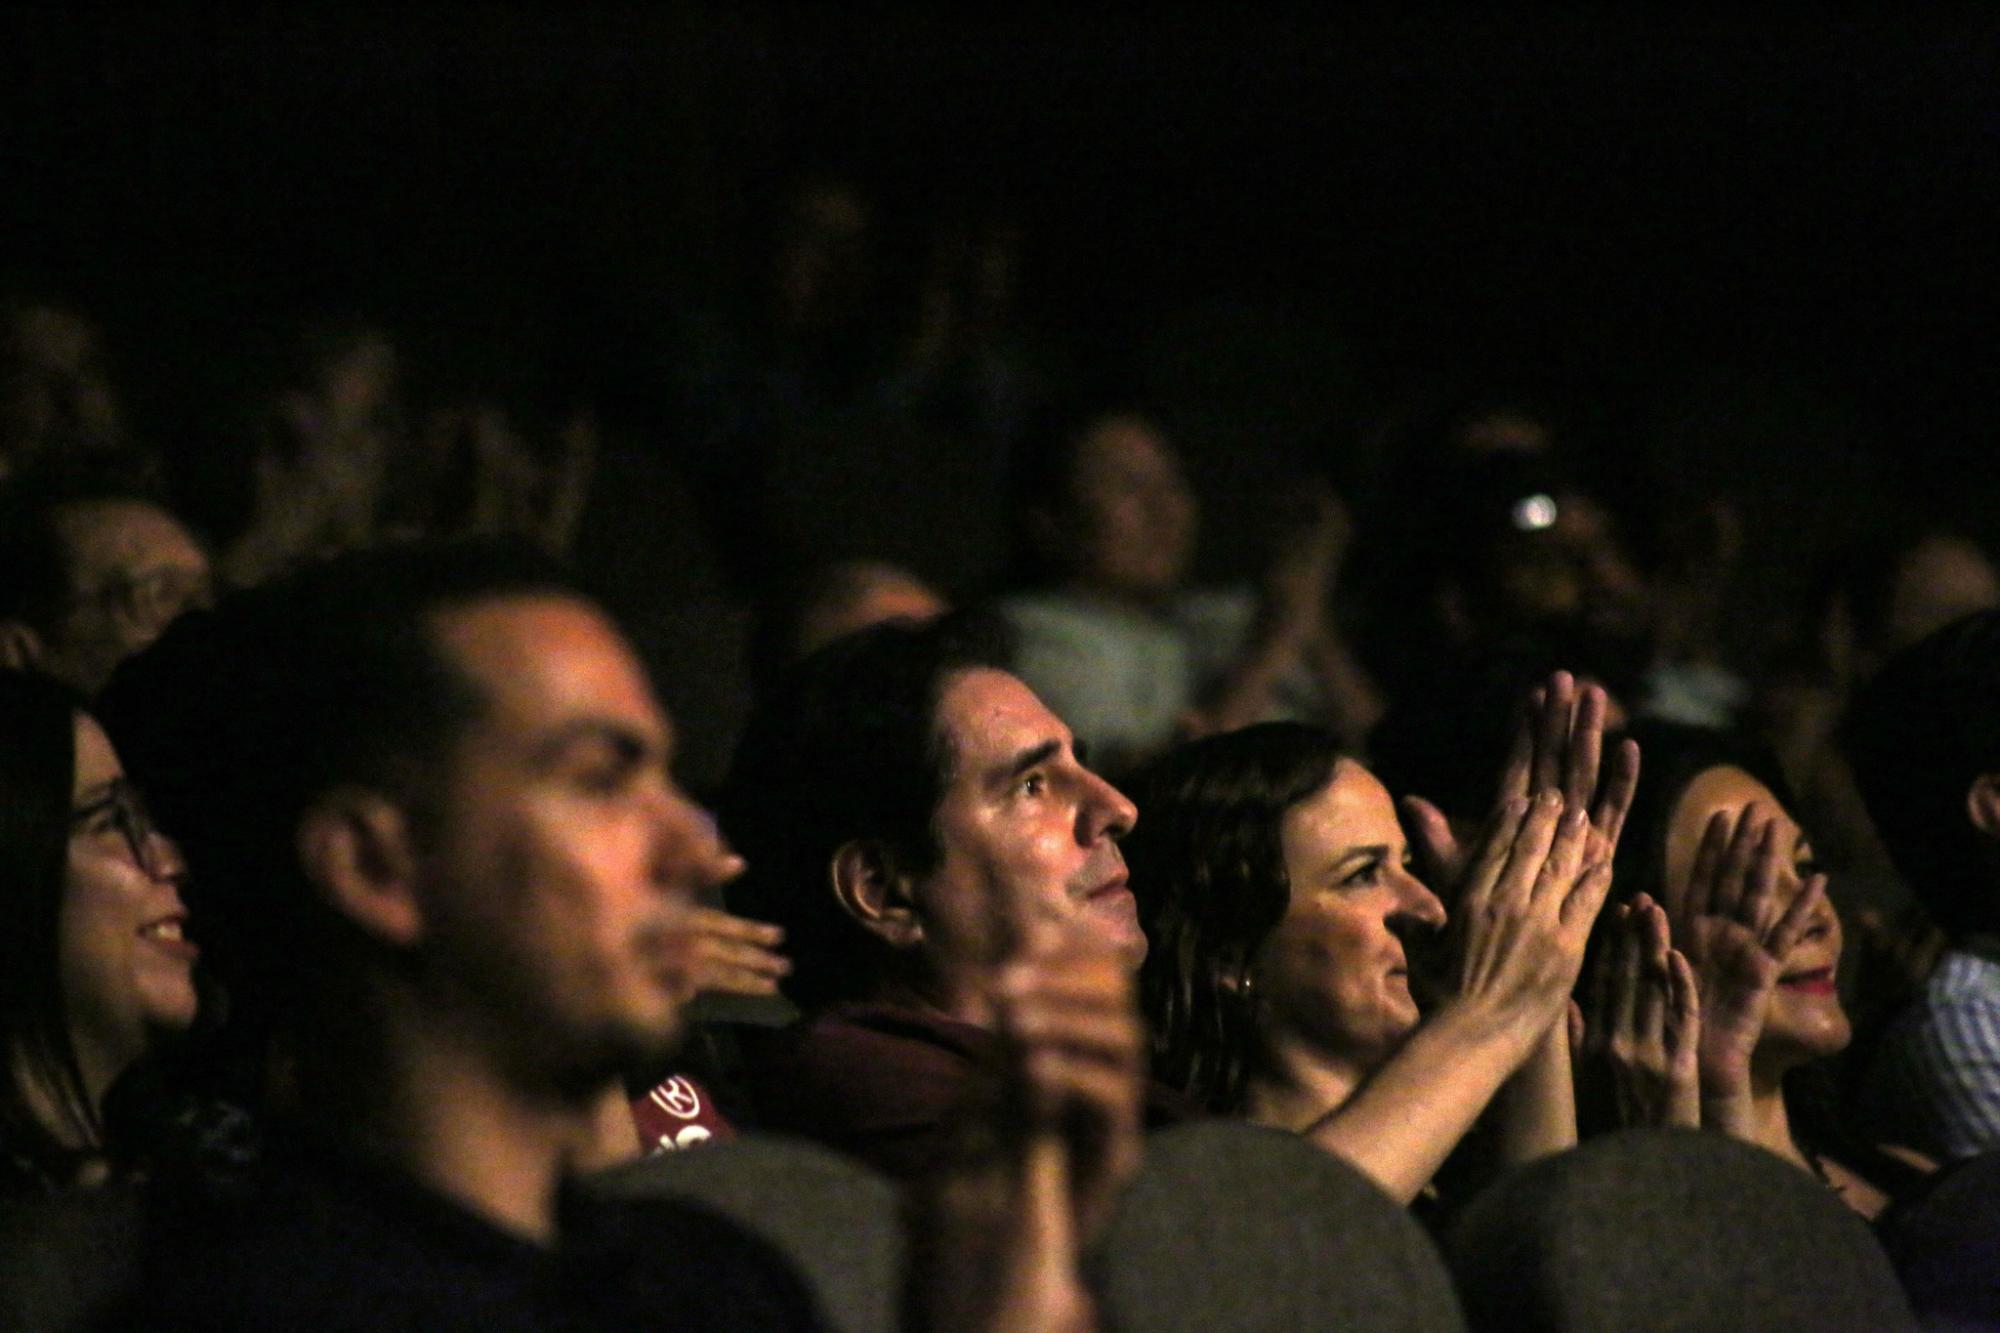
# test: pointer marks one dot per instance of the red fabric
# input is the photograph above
(679, 1113)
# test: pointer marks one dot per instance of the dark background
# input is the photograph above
(1728, 251)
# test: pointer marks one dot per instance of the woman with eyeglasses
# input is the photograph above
(95, 963)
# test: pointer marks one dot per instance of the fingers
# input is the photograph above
(1684, 1006)
(1496, 841)
(733, 956)
(1615, 802)
(1552, 728)
(1586, 900)
(1071, 1015)
(1436, 843)
(1586, 746)
(1532, 844)
(1648, 936)
(1604, 986)
(1627, 980)
(1517, 776)
(1759, 907)
(1785, 934)
(718, 924)
(1559, 870)
(1699, 899)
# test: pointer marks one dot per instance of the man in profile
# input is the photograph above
(448, 871)
(912, 814)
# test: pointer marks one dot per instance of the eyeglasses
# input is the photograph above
(120, 810)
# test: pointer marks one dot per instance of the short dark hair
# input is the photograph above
(846, 748)
(37, 774)
(1208, 866)
(1917, 736)
(239, 718)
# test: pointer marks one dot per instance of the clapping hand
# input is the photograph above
(1737, 933)
(1644, 1021)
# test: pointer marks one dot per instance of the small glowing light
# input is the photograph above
(1534, 512)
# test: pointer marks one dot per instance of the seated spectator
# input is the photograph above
(910, 810)
(1279, 899)
(1121, 649)
(95, 965)
(90, 572)
(1874, 600)
(1712, 842)
(1924, 742)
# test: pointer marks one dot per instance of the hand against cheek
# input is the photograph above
(1069, 1013)
(732, 955)
(1737, 933)
(1644, 1022)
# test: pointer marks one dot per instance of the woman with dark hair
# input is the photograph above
(1712, 841)
(1278, 895)
(95, 965)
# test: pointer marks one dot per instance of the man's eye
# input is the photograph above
(1034, 784)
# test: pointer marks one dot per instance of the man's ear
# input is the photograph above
(21, 649)
(873, 891)
(356, 846)
(1982, 804)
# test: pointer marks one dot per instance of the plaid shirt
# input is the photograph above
(1935, 1083)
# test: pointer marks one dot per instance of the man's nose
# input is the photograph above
(691, 846)
(1107, 812)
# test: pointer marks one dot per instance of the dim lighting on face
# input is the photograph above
(1534, 512)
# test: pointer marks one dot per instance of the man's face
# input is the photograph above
(564, 860)
(132, 569)
(1028, 833)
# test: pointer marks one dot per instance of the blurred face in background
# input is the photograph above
(1127, 526)
(132, 569)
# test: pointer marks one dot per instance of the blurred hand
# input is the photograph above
(1069, 1014)
(733, 955)
(1736, 934)
(1643, 1026)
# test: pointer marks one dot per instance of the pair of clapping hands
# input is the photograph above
(1677, 994)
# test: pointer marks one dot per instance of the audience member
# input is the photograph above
(91, 571)
(911, 811)
(96, 966)
(448, 869)
(1279, 897)
(1116, 643)
(1924, 741)
(1711, 840)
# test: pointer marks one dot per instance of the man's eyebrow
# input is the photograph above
(630, 742)
(1032, 757)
